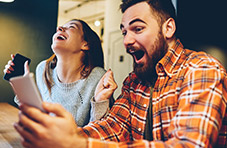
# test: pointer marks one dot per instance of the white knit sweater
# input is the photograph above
(75, 97)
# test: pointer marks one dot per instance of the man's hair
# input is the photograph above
(163, 9)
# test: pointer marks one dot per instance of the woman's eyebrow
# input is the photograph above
(77, 25)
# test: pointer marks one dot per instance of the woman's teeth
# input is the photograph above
(61, 37)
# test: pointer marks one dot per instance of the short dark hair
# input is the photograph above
(163, 9)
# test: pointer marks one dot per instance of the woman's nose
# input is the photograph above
(60, 28)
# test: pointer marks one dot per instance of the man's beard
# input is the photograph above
(146, 71)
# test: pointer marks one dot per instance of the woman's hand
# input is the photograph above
(106, 87)
(8, 68)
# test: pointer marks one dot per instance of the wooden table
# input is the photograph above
(9, 138)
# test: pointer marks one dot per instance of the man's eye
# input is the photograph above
(138, 29)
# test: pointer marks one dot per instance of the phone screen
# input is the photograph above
(18, 67)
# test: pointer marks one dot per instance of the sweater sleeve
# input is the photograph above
(98, 109)
(16, 100)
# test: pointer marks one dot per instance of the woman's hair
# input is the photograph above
(92, 57)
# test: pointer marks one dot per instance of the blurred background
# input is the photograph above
(27, 26)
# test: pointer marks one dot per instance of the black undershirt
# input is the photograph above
(148, 135)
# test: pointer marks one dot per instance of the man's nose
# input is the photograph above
(129, 40)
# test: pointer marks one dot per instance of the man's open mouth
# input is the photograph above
(138, 54)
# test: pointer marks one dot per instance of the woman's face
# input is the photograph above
(68, 37)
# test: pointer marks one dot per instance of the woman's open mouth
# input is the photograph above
(61, 37)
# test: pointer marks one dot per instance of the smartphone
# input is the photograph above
(18, 67)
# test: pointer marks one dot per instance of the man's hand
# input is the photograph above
(40, 130)
(105, 87)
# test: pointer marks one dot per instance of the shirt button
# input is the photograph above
(145, 105)
(139, 129)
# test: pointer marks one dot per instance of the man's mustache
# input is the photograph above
(130, 49)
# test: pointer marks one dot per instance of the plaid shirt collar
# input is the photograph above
(169, 62)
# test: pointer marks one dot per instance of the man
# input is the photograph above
(175, 97)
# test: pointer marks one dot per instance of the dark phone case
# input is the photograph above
(18, 67)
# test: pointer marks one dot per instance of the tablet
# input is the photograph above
(26, 90)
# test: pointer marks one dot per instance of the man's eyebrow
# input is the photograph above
(136, 20)
(133, 21)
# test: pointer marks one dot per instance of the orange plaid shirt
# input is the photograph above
(188, 104)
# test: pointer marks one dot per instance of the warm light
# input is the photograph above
(97, 23)
(6, 1)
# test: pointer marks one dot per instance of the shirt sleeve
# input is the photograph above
(202, 106)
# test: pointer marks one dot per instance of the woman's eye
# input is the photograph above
(72, 27)
(123, 33)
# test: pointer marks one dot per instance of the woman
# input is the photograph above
(69, 77)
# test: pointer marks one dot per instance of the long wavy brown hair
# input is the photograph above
(92, 57)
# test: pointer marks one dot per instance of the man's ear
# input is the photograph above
(169, 28)
(85, 46)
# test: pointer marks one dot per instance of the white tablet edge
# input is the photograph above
(26, 90)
